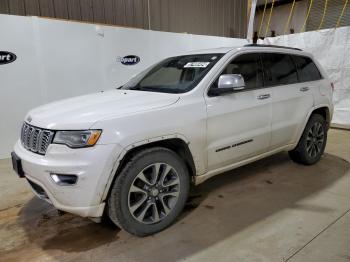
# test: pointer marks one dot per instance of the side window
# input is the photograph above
(248, 65)
(307, 69)
(279, 69)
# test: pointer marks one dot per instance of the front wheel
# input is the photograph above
(312, 142)
(150, 192)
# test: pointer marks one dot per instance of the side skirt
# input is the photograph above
(201, 178)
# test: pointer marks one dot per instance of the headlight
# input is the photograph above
(77, 139)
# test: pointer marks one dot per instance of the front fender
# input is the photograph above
(131, 146)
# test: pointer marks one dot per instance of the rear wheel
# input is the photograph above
(150, 192)
(312, 143)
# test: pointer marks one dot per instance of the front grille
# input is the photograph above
(36, 139)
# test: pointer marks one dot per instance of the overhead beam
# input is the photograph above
(277, 3)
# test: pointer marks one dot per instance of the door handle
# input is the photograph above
(304, 89)
(265, 96)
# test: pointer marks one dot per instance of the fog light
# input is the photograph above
(64, 180)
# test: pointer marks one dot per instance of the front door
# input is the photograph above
(239, 123)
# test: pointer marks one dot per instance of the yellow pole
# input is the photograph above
(342, 13)
(289, 17)
(307, 16)
(324, 14)
(268, 21)
(262, 18)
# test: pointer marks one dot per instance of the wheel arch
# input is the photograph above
(176, 143)
(322, 110)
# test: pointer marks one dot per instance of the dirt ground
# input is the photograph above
(271, 210)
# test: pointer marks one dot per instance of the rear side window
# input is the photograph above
(279, 69)
(249, 66)
(307, 69)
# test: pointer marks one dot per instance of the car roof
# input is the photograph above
(250, 47)
(219, 50)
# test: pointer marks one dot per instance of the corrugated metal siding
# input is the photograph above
(207, 17)
(334, 8)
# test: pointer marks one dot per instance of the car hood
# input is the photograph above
(83, 111)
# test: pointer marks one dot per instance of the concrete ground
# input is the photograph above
(272, 210)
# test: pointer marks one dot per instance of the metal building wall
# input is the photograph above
(333, 11)
(207, 17)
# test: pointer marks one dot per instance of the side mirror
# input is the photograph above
(228, 83)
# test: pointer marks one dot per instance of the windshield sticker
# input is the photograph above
(197, 65)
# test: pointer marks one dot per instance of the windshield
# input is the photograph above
(174, 75)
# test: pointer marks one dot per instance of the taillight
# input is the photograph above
(332, 85)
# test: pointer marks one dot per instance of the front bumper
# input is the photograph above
(93, 166)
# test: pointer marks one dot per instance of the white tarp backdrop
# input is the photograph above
(59, 59)
(331, 47)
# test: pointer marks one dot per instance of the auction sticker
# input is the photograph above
(197, 65)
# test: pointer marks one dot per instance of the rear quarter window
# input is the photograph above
(307, 70)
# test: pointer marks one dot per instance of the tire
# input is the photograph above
(142, 203)
(312, 142)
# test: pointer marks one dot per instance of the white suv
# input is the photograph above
(132, 153)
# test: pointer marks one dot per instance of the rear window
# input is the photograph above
(307, 69)
(279, 69)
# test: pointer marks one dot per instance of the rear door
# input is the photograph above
(292, 99)
(239, 123)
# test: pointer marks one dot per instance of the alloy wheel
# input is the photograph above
(154, 193)
(315, 140)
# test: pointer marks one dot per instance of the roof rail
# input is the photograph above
(274, 46)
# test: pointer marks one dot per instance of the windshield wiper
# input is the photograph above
(160, 89)
(134, 88)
